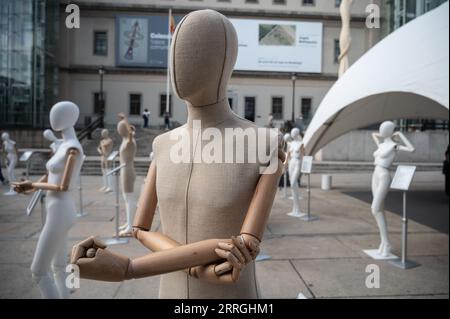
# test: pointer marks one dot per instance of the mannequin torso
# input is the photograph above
(198, 201)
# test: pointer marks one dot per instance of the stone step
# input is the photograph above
(92, 167)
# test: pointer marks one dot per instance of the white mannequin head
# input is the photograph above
(48, 135)
(287, 137)
(63, 115)
(295, 134)
(5, 136)
(105, 133)
(387, 129)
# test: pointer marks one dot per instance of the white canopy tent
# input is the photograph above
(405, 76)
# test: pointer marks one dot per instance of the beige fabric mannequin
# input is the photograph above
(198, 202)
(105, 148)
(127, 154)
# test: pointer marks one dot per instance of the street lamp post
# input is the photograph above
(101, 72)
(293, 78)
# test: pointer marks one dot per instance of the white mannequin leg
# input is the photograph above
(59, 264)
(60, 218)
(130, 208)
(294, 173)
(12, 161)
(104, 186)
(380, 189)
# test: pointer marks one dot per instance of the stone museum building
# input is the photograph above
(116, 60)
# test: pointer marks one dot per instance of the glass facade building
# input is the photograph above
(397, 13)
(28, 66)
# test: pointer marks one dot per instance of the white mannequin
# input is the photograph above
(345, 39)
(50, 258)
(295, 154)
(11, 155)
(381, 179)
(56, 142)
(105, 149)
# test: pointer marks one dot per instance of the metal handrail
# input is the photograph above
(87, 131)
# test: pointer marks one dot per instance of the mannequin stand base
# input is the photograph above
(107, 190)
(406, 265)
(10, 193)
(373, 253)
(262, 256)
(309, 218)
(116, 241)
(82, 214)
(297, 214)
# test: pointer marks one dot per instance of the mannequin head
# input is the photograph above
(49, 136)
(387, 129)
(295, 134)
(63, 115)
(203, 54)
(5, 136)
(287, 137)
(105, 133)
(122, 128)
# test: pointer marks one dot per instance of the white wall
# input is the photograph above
(359, 146)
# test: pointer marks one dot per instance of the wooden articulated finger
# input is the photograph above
(239, 242)
(223, 268)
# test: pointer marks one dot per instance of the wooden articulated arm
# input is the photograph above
(147, 202)
(65, 181)
(261, 205)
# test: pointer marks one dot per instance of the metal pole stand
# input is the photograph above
(309, 217)
(403, 262)
(81, 212)
(262, 256)
(116, 240)
(26, 156)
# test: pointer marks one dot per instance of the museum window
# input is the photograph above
(100, 43)
(99, 105)
(277, 107)
(281, 2)
(250, 108)
(252, 1)
(135, 103)
(337, 3)
(337, 50)
(309, 3)
(306, 107)
(162, 104)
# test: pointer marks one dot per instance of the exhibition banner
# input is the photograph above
(141, 41)
(264, 45)
(281, 46)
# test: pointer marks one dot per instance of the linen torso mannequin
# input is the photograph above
(345, 39)
(198, 202)
(127, 153)
(56, 142)
(104, 149)
(295, 153)
(11, 155)
(50, 258)
(381, 179)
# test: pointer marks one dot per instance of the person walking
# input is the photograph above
(146, 116)
(167, 120)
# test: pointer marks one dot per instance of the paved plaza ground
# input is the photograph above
(320, 259)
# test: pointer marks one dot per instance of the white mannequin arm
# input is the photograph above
(65, 181)
(376, 137)
(408, 147)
